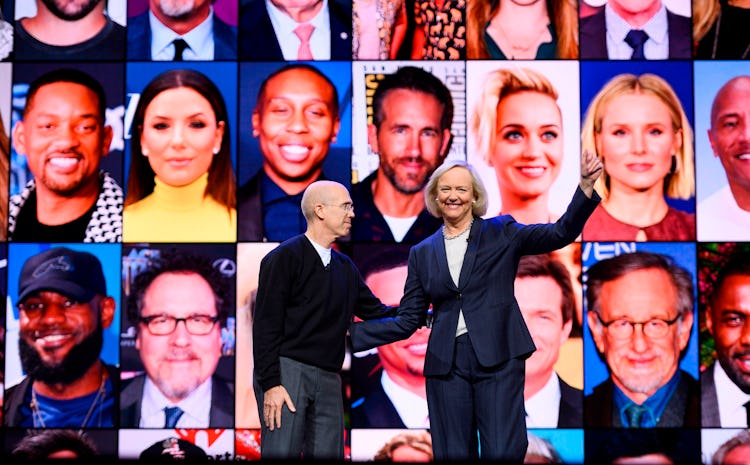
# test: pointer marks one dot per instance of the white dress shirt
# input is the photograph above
(197, 406)
(732, 412)
(283, 26)
(410, 407)
(543, 408)
(721, 219)
(200, 40)
(655, 48)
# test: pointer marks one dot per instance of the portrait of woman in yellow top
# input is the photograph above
(181, 185)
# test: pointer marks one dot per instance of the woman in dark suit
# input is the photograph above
(475, 356)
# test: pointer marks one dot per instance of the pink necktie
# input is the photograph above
(304, 31)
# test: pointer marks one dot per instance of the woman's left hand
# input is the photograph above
(591, 168)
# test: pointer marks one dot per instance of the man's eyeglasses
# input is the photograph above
(347, 206)
(162, 325)
(623, 329)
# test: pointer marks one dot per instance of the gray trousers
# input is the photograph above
(316, 430)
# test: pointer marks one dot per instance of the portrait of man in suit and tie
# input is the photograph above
(544, 293)
(725, 385)
(179, 303)
(181, 30)
(635, 30)
(389, 391)
(640, 314)
(276, 30)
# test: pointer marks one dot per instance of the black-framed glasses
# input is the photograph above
(347, 206)
(162, 325)
(622, 329)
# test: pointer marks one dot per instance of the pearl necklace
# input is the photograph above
(456, 236)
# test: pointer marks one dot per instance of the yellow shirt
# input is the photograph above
(179, 214)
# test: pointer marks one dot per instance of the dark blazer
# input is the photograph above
(221, 414)
(571, 406)
(709, 400)
(376, 410)
(258, 40)
(593, 34)
(683, 409)
(15, 397)
(250, 211)
(485, 290)
(139, 39)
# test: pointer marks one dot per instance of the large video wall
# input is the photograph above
(674, 138)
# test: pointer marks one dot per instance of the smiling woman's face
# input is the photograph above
(528, 150)
(180, 135)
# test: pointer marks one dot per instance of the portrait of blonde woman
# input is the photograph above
(516, 125)
(181, 186)
(522, 29)
(637, 126)
(378, 29)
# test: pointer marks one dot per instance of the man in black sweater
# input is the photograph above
(307, 293)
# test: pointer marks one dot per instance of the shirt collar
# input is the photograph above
(539, 411)
(731, 399)
(411, 407)
(196, 406)
(199, 39)
(655, 404)
(617, 28)
(284, 25)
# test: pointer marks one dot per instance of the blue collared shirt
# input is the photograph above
(655, 48)
(282, 215)
(655, 404)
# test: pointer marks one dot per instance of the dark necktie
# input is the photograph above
(747, 408)
(172, 415)
(636, 38)
(179, 46)
(634, 414)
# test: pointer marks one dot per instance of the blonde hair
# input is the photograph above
(478, 208)
(705, 13)
(563, 15)
(680, 183)
(497, 85)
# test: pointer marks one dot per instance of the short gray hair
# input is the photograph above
(478, 208)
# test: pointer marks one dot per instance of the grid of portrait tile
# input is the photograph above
(118, 162)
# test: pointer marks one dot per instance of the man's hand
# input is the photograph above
(591, 168)
(273, 401)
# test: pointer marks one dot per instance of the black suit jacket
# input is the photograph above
(593, 34)
(221, 414)
(571, 406)
(139, 39)
(683, 409)
(484, 292)
(258, 40)
(709, 400)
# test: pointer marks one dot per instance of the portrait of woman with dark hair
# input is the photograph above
(181, 185)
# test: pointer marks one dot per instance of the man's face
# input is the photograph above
(634, 6)
(409, 141)
(730, 133)
(638, 364)
(339, 211)
(540, 299)
(63, 138)
(295, 124)
(69, 10)
(402, 360)
(179, 362)
(61, 338)
(728, 320)
(178, 8)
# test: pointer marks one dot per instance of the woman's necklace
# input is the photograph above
(716, 40)
(36, 413)
(515, 46)
(455, 236)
